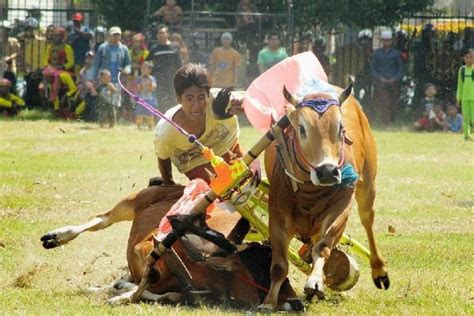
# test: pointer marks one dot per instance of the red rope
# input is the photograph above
(252, 283)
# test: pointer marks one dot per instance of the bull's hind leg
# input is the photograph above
(365, 196)
(123, 211)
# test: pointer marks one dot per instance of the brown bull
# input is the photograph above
(242, 277)
(320, 143)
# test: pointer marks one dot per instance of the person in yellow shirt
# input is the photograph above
(59, 60)
(9, 103)
(224, 64)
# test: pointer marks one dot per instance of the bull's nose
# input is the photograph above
(328, 174)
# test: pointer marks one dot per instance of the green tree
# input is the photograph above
(354, 13)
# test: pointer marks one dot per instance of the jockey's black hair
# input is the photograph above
(190, 75)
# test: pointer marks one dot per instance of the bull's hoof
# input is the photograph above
(382, 282)
(50, 241)
(296, 304)
(311, 292)
(265, 308)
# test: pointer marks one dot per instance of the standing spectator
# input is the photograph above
(79, 38)
(170, 14)
(166, 61)
(454, 120)
(272, 54)
(465, 91)
(177, 40)
(444, 64)
(363, 79)
(146, 86)
(319, 50)
(247, 29)
(352, 57)
(422, 62)
(112, 56)
(87, 101)
(387, 73)
(127, 38)
(107, 99)
(11, 51)
(59, 59)
(224, 64)
(99, 37)
(33, 47)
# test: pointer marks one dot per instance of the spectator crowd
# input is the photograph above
(75, 70)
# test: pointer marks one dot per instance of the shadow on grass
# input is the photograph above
(30, 115)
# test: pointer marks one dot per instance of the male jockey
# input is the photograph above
(59, 60)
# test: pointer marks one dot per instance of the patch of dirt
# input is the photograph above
(26, 279)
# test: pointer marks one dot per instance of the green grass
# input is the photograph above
(56, 173)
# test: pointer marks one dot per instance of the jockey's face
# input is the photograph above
(194, 103)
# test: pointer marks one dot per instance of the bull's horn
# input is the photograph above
(346, 93)
(289, 97)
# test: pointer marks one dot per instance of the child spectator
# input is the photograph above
(465, 91)
(437, 118)
(177, 40)
(453, 120)
(106, 92)
(427, 104)
(87, 102)
(146, 86)
(9, 103)
(224, 64)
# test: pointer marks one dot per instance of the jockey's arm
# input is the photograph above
(164, 165)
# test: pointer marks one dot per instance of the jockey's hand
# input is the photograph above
(236, 106)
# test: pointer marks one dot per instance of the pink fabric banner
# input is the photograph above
(265, 99)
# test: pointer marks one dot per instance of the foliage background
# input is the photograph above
(130, 14)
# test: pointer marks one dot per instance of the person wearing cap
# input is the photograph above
(387, 71)
(9, 103)
(113, 56)
(351, 58)
(79, 38)
(224, 64)
(99, 37)
(33, 47)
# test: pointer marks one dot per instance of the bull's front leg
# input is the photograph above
(331, 231)
(279, 240)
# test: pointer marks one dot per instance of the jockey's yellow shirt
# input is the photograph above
(59, 55)
(219, 135)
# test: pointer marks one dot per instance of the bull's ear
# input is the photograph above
(289, 97)
(346, 93)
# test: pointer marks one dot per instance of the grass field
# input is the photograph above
(57, 173)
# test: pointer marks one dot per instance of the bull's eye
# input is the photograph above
(302, 131)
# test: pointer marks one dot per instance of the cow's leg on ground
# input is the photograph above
(279, 240)
(365, 196)
(123, 211)
(123, 298)
(331, 231)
